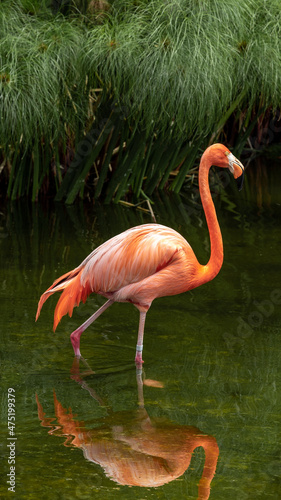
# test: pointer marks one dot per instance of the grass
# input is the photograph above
(121, 99)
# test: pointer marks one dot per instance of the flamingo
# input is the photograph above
(145, 262)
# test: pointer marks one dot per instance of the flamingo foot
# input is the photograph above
(75, 341)
(75, 336)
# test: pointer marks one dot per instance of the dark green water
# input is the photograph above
(214, 353)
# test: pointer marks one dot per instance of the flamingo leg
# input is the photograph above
(138, 358)
(75, 336)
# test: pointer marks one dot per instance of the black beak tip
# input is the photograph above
(239, 181)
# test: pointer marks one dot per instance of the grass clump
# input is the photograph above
(116, 98)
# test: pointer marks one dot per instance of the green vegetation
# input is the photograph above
(103, 99)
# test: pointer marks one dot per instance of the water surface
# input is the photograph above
(211, 378)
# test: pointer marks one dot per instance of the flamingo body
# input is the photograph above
(137, 266)
(144, 262)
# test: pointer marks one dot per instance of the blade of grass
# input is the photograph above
(104, 169)
(226, 116)
(140, 174)
(79, 178)
(36, 160)
(17, 188)
(174, 161)
(72, 182)
(13, 170)
(121, 168)
(133, 159)
(187, 165)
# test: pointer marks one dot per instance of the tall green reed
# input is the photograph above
(187, 73)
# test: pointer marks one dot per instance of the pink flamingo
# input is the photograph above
(145, 262)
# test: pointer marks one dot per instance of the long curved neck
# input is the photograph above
(216, 259)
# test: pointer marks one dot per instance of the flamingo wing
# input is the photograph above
(130, 257)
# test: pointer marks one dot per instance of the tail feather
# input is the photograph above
(73, 293)
(70, 298)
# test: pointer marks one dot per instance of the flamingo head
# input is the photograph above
(220, 156)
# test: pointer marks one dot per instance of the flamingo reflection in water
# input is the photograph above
(132, 448)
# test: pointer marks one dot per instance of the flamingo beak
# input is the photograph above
(237, 169)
